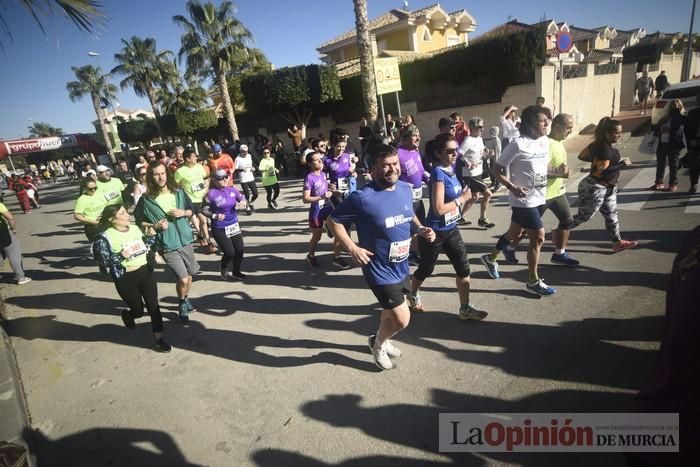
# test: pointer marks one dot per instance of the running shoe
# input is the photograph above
(509, 255)
(212, 249)
(564, 258)
(183, 311)
(252, 208)
(270, 206)
(673, 187)
(381, 357)
(23, 280)
(274, 203)
(239, 275)
(657, 187)
(486, 223)
(491, 266)
(249, 212)
(162, 346)
(467, 312)
(624, 245)
(190, 306)
(312, 261)
(341, 263)
(127, 318)
(463, 221)
(391, 351)
(540, 288)
(415, 304)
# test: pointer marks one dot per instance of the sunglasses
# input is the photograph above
(88, 189)
(450, 150)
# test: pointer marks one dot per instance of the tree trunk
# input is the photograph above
(364, 47)
(156, 110)
(228, 107)
(103, 127)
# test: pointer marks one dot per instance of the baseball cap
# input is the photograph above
(102, 168)
(220, 174)
(244, 147)
(446, 122)
(216, 148)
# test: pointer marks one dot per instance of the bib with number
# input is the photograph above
(232, 230)
(110, 195)
(452, 217)
(343, 184)
(199, 186)
(134, 248)
(399, 250)
(539, 180)
(321, 203)
(417, 194)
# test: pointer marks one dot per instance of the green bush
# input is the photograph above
(190, 123)
(138, 131)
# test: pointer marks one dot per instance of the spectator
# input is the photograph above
(644, 87)
(661, 82)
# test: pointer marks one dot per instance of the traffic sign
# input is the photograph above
(386, 75)
(564, 42)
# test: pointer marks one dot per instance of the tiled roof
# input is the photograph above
(580, 34)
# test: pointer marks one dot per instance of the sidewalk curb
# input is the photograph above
(13, 402)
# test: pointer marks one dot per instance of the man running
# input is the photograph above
(166, 209)
(191, 177)
(221, 160)
(382, 210)
(244, 169)
(109, 188)
(470, 167)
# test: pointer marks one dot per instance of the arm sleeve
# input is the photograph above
(349, 210)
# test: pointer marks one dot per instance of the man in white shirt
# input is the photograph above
(244, 168)
(509, 125)
(470, 167)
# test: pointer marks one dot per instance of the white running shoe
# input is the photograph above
(381, 356)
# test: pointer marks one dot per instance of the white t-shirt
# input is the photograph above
(245, 165)
(471, 151)
(508, 129)
(526, 160)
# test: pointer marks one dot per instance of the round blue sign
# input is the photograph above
(564, 42)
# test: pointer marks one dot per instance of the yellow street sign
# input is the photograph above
(386, 75)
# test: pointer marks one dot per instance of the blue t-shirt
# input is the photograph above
(453, 190)
(223, 201)
(383, 220)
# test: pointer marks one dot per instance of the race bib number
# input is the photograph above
(343, 184)
(271, 172)
(452, 217)
(539, 180)
(417, 194)
(135, 248)
(399, 251)
(232, 230)
(199, 186)
(110, 195)
(321, 203)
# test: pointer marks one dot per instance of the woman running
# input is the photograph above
(598, 191)
(316, 193)
(122, 250)
(219, 205)
(269, 177)
(446, 199)
(88, 207)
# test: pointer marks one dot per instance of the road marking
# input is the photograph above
(693, 206)
(636, 192)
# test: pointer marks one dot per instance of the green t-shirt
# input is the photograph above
(191, 180)
(557, 157)
(131, 240)
(111, 191)
(166, 201)
(90, 206)
(267, 169)
(3, 210)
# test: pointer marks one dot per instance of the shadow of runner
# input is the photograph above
(278, 457)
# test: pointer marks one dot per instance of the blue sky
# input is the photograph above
(36, 67)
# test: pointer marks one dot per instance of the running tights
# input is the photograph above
(140, 286)
(273, 191)
(232, 248)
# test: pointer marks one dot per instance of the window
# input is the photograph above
(452, 40)
(426, 35)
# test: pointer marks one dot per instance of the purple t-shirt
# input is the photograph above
(412, 170)
(318, 186)
(337, 168)
(223, 201)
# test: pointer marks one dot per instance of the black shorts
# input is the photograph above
(391, 295)
(527, 218)
(475, 184)
(559, 207)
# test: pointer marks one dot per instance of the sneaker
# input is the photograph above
(312, 261)
(239, 275)
(673, 187)
(249, 212)
(274, 203)
(23, 280)
(128, 320)
(491, 266)
(415, 304)
(463, 221)
(624, 245)
(467, 312)
(252, 208)
(224, 274)
(540, 288)
(183, 311)
(189, 304)
(212, 249)
(564, 259)
(162, 346)
(657, 187)
(391, 351)
(381, 357)
(509, 255)
(486, 223)
(340, 262)
(270, 206)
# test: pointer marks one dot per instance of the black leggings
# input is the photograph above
(270, 190)
(451, 243)
(693, 159)
(232, 248)
(140, 286)
(248, 188)
(664, 153)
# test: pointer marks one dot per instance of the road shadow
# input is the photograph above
(279, 457)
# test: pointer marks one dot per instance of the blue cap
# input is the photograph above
(216, 148)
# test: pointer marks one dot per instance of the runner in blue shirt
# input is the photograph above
(382, 212)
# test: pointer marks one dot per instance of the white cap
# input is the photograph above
(102, 168)
(244, 147)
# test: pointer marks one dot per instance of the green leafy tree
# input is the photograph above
(143, 67)
(138, 131)
(43, 129)
(178, 94)
(214, 42)
(92, 82)
(257, 63)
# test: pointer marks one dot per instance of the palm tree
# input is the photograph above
(143, 67)
(92, 82)
(214, 41)
(364, 47)
(87, 15)
(43, 129)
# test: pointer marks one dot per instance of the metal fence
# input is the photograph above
(606, 69)
(575, 71)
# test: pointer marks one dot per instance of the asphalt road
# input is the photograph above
(276, 370)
